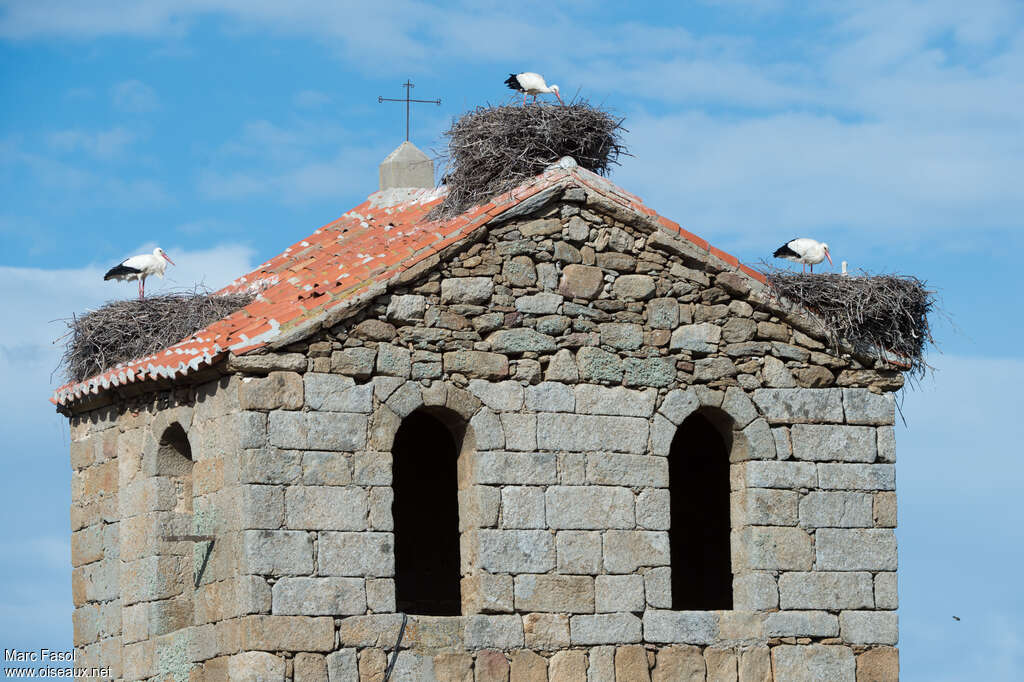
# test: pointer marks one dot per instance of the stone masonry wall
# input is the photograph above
(571, 345)
(137, 607)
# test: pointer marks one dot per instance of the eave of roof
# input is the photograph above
(320, 280)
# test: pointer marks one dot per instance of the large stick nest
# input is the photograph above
(125, 330)
(493, 149)
(884, 313)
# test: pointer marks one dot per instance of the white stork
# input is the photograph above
(805, 251)
(140, 267)
(530, 83)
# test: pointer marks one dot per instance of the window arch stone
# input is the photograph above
(425, 508)
(171, 608)
(745, 436)
(441, 406)
(700, 526)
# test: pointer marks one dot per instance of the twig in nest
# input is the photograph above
(125, 330)
(888, 313)
(493, 149)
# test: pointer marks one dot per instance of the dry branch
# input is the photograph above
(493, 149)
(125, 330)
(886, 313)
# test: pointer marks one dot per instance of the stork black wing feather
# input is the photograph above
(784, 251)
(120, 270)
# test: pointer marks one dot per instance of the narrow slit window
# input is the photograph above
(426, 515)
(700, 526)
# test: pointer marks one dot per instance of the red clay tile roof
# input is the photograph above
(344, 264)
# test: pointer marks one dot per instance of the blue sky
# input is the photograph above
(225, 130)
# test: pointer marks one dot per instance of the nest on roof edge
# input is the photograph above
(127, 330)
(886, 314)
(493, 149)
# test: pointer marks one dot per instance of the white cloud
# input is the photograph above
(134, 96)
(696, 81)
(311, 99)
(101, 144)
(79, 93)
(27, 234)
(903, 123)
(85, 186)
(797, 172)
(760, 6)
(358, 25)
(24, 19)
(904, 115)
(892, 35)
(414, 30)
(898, 116)
(261, 139)
(869, 57)
(302, 182)
(306, 161)
(207, 227)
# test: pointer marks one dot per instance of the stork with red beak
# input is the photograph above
(805, 251)
(140, 267)
(530, 83)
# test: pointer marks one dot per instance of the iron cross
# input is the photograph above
(408, 90)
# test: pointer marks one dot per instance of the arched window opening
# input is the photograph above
(174, 462)
(699, 531)
(174, 610)
(426, 515)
